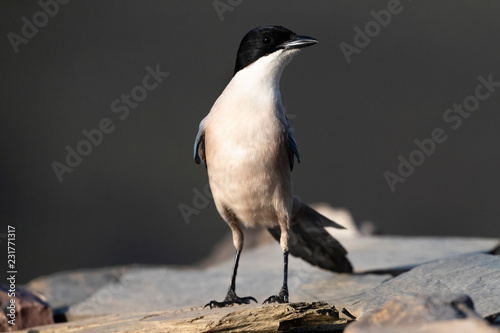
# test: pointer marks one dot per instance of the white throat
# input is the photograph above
(266, 71)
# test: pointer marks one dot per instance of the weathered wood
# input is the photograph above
(296, 317)
(292, 317)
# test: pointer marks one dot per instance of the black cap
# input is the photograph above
(265, 40)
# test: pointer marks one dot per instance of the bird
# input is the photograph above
(247, 147)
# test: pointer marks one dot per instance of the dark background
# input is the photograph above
(351, 120)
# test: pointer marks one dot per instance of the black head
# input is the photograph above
(265, 40)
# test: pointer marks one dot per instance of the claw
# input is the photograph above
(214, 304)
(282, 297)
(275, 299)
(230, 299)
(247, 299)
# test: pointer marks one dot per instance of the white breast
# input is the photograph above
(246, 147)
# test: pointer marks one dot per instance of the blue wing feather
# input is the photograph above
(292, 147)
(199, 144)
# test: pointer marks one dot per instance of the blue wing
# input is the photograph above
(199, 144)
(292, 147)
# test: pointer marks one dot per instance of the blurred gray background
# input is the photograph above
(352, 121)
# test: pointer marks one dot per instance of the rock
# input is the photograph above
(406, 310)
(475, 275)
(29, 310)
(259, 275)
(149, 298)
(419, 313)
(375, 254)
(141, 289)
(385, 254)
(67, 288)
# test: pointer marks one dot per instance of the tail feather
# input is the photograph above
(310, 241)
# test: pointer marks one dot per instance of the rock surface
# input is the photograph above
(67, 288)
(418, 313)
(136, 289)
(475, 275)
(23, 311)
(158, 299)
(259, 275)
(386, 253)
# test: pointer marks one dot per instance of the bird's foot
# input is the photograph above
(282, 297)
(230, 299)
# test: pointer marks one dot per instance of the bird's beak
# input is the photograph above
(298, 42)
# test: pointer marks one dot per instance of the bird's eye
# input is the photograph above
(267, 40)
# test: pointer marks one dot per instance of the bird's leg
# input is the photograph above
(231, 297)
(282, 297)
